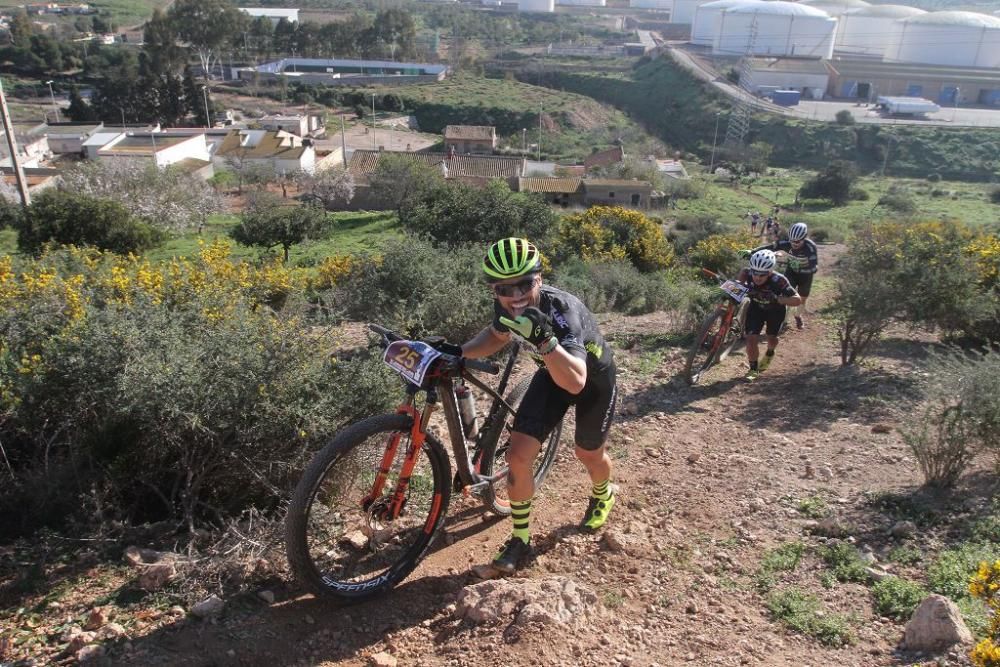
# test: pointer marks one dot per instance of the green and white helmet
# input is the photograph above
(510, 258)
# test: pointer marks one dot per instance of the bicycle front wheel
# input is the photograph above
(734, 336)
(340, 537)
(496, 442)
(707, 346)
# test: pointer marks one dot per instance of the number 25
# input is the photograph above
(408, 358)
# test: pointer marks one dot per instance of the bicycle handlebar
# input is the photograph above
(472, 364)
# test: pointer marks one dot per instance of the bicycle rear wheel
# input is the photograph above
(707, 346)
(496, 442)
(340, 541)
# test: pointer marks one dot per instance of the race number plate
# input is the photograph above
(735, 290)
(410, 358)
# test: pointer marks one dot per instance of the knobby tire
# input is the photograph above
(322, 562)
(705, 350)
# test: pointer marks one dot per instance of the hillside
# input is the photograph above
(680, 110)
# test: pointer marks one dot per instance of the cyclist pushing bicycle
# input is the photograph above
(576, 368)
(770, 293)
(803, 259)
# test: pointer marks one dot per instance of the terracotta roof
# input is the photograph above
(273, 144)
(467, 132)
(615, 183)
(553, 185)
(571, 170)
(604, 158)
(363, 162)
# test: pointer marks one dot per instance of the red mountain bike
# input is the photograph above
(722, 330)
(371, 502)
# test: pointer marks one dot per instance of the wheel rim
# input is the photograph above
(352, 543)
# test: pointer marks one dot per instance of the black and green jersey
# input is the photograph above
(572, 323)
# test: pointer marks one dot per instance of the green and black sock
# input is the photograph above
(520, 512)
(602, 490)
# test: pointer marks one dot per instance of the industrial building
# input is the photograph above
(783, 29)
(864, 31)
(537, 6)
(274, 14)
(705, 24)
(958, 39)
(582, 3)
(337, 72)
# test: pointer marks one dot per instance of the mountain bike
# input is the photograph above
(722, 330)
(371, 502)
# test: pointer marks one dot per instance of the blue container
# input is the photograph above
(786, 98)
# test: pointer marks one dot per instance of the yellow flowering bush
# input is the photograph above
(985, 585)
(332, 271)
(985, 251)
(188, 382)
(719, 252)
(614, 233)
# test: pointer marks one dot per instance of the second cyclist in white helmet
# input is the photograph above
(770, 293)
(803, 260)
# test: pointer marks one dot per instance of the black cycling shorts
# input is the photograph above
(545, 403)
(802, 282)
(758, 316)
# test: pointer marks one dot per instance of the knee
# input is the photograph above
(589, 455)
(520, 457)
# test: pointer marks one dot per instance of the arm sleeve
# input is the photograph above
(568, 328)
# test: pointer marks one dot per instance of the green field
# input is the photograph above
(573, 125)
(123, 13)
(350, 233)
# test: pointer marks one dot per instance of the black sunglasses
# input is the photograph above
(515, 289)
(759, 273)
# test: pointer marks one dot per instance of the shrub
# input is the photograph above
(859, 194)
(941, 442)
(845, 117)
(618, 286)
(938, 192)
(834, 183)
(166, 390)
(985, 586)
(418, 290)
(719, 252)
(896, 597)
(934, 177)
(995, 195)
(899, 202)
(950, 572)
(613, 233)
(804, 613)
(66, 218)
(457, 213)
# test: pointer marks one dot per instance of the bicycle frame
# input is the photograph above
(467, 471)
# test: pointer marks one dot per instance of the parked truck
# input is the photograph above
(906, 106)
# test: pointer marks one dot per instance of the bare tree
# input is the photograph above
(333, 188)
(168, 199)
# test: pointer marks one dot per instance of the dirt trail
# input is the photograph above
(707, 477)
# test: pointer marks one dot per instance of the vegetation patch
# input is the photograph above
(896, 597)
(804, 613)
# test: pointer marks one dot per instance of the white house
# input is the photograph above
(284, 152)
(188, 153)
(275, 14)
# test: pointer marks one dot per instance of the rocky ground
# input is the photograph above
(719, 483)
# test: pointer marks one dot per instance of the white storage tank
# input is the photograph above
(652, 4)
(958, 39)
(536, 5)
(869, 30)
(705, 24)
(783, 29)
(683, 10)
(582, 3)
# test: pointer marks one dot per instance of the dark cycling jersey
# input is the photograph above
(801, 260)
(572, 323)
(766, 295)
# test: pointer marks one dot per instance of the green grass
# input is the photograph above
(950, 572)
(783, 558)
(813, 507)
(804, 613)
(581, 123)
(123, 13)
(351, 233)
(896, 597)
(845, 563)
(905, 555)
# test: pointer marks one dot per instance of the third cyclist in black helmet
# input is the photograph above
(577, 369)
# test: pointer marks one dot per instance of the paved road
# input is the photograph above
(827, 110)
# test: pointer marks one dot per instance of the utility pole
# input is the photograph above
(204, 94)
(53, 96)
(539, 134)
(15, 160)
(715, 138)
(343, 142)
(374, 145)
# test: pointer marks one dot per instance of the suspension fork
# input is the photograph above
(418, 434)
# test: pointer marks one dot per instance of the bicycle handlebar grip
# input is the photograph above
(382, 331)
(482, 366)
